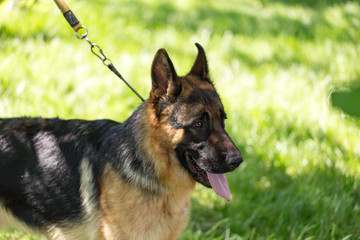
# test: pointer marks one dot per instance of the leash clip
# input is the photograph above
(106, 61)
(101, 55)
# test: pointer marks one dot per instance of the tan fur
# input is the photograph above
(128, 213)
(87, 230)
(160, 140)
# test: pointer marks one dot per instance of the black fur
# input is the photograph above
(39, 162)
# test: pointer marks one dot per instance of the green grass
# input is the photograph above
(275, 64)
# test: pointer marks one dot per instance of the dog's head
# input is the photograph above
(192, 109)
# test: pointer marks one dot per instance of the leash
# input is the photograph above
(77, 26)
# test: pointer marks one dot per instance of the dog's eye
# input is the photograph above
(198, 124)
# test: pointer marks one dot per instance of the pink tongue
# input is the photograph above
(219, 184)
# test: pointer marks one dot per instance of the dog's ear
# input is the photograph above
(200, 67)
(165, 83)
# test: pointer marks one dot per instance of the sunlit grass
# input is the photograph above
(18, 235)
(274, 63)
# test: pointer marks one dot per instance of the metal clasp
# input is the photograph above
(100, 54)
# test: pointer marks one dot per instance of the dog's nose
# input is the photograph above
(232, 160)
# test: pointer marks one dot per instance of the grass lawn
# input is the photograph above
(275, 64)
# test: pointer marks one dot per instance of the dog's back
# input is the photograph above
(42, 162)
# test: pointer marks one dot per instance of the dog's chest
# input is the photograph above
(132, 213)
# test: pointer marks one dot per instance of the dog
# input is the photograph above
(78, 179)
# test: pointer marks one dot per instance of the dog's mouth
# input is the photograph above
(214, 180)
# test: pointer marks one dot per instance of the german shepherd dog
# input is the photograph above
(77, 179)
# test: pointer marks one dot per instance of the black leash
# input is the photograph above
(76, 25)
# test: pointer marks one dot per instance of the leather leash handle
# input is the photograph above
(69, 15)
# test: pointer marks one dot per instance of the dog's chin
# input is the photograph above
(197, 172)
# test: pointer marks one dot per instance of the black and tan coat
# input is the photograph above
(77, 179)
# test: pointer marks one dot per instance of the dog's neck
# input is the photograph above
(145, 142)
(170, 168)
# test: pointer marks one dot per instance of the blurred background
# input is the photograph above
(287, 71)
